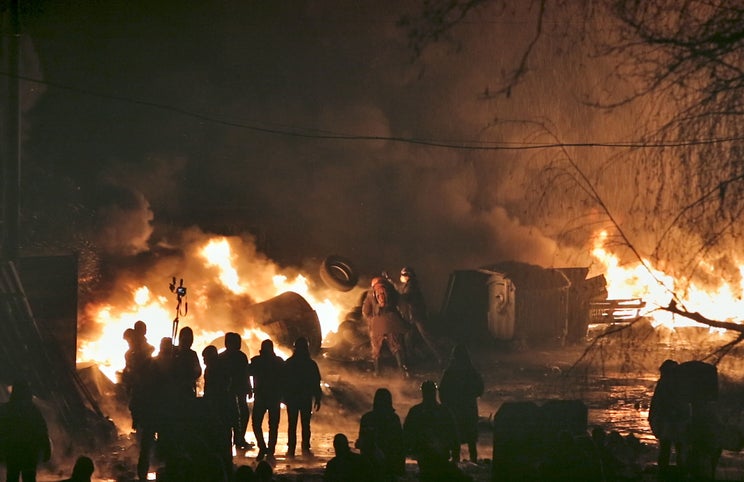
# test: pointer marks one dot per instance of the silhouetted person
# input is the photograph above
(186, 366)
(459, 389)
(264, 472)
(82, 471)
(611, 465)
(215, 377)
(669, 416)
(302, 393)
(346, 466)
(144, 404)
(24, 435)
(235, 362)
(381, 438)
(126, 373)
(141, 344)
(386, 325)
(267, 370)
(163, 409)
(413, 309)
(431, 437)
(244, 473)
(137, 365)
(217, 402)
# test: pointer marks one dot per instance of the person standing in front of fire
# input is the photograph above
(413, 309)
(218, 404)
(302, 394)
(381, 438)
(380, 310)
(430, 434)
(669, 417)
(235, 362)
(24, 437)
(459, 389)
(140, 380)
(266, 369)
(186, 366)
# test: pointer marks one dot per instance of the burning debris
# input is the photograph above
(233, 288)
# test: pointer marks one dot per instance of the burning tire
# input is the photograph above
(338, 273)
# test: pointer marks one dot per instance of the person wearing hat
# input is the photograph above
(413, 309)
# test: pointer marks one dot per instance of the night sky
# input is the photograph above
(293, 122)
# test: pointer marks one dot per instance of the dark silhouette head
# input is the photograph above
(407, 271)
(460, 354)
(668, 367)
(264, 471)
(140, 328)
(83, 468)
(302, 346)
(128, 336)
(186, 337)
(341, 444)
(166, 347)
(21, 392)
(383, 400)
(209, 354)
(267, 347)
(244, 473)
(429, 391)
(233, 341)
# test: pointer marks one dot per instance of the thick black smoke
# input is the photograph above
(213, 115)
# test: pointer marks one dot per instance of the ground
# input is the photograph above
(615, 381)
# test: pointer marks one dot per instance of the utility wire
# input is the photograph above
(307, 134)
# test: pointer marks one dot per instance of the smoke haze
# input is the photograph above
(156, 120)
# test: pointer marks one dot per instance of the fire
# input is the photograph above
(227, 269)
(656, 288)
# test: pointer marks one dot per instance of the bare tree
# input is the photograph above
(680, 63)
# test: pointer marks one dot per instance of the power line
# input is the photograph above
(305, 133)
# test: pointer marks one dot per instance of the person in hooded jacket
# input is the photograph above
(82, 471)
(186, 366)
(459, 389)
(380, 438)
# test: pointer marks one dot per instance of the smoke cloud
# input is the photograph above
(215, 128)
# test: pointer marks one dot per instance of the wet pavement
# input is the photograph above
(617, 399)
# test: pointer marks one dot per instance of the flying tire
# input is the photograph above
(338, 273)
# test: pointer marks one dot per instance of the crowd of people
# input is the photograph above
(196, 434)
(193, 433)
(431, 433)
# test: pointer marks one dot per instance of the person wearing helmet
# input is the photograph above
(413, 309)
(386, 325)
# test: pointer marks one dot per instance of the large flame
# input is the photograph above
(224, 269)
(642, 280)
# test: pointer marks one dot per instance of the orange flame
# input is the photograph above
(226, 268)
(656, 288)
